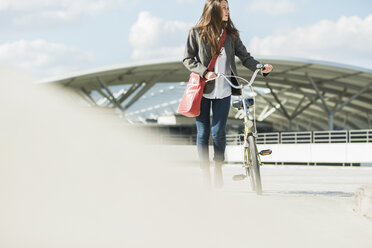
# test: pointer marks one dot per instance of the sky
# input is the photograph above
(49, 38)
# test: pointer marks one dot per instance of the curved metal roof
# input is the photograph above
(302, 95)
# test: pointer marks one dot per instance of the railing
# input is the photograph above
(178, 139)
(361, 136)
(295, 137)
(344, 136)
(330, 136)
(234, 139)
(268, 138)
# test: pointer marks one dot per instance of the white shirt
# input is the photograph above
(222, 88)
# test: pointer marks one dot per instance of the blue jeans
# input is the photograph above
(220, 112)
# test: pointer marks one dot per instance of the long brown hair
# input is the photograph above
(211, 23)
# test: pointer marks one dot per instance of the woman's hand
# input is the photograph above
(210, 75)
(268, 68)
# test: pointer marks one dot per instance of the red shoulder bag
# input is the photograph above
(190, 103)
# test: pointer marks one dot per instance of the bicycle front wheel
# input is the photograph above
(248, 169)
(255, 168)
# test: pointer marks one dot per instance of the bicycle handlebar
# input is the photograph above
(260, 67)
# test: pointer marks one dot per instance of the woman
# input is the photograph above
(201, 46)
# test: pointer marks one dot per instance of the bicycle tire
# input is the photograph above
(249, 172)
(254, 164)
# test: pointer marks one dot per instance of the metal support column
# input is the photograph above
(330, 113)
(326, 108)
(88, 96)
(331, 121)
(295, 114)
(325, 105)
(270, 103)
(298, 105)
(131, 90)
(278, 101)
(111, 97)
(281, 106)
(104, 95)
(146, 87)
(362, 91)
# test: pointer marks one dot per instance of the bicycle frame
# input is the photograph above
(250, 130)
(248, 124)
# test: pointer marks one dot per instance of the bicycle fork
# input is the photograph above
(248, 125)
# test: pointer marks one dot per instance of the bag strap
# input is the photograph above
(220, 44)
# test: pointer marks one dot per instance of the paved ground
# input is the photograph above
(305, 181)
(108, 205)
(300, 207)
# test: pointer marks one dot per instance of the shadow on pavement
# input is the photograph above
(310, 193)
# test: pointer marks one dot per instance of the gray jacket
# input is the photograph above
(198, 55)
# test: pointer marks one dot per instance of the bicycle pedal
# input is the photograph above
(239, 177)
(265, 152)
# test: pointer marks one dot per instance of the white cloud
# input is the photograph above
(152, 37)
(44, 59)
(31, 12)
(347, 40)
(158, 53)
(272, 7)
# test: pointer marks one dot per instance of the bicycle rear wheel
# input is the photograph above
(255, 168)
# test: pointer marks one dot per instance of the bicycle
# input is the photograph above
(252, 161)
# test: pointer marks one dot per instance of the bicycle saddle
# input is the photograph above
(239, 103)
